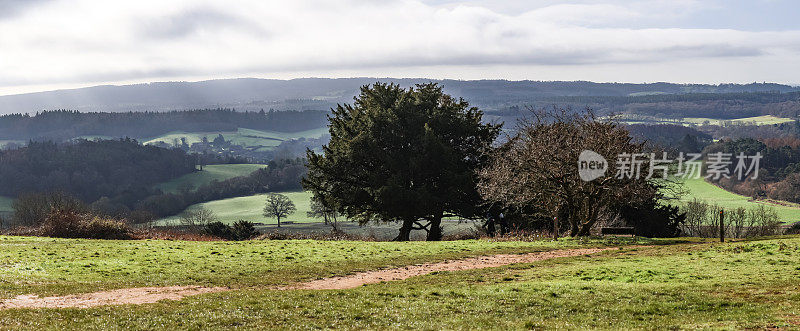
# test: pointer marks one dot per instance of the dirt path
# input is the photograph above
(377, 276)
(137, 296)
(141, 295)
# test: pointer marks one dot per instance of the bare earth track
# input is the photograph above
(377, 276)
(136, 296)
(142, 295)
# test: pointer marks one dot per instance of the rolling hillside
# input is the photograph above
(702, 190)
(250, 209)
(322, 93)
(259, 140)
(209, 173)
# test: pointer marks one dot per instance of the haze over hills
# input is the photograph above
(323, 93)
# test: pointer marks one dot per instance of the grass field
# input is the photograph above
(758, 120)
(256, 139)
(63, 266)
(702, 190)
(209, 173)
(690, 121)
(739, 285)
(250, 208)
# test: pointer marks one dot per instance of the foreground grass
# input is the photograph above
(702, 190)
(49, 266)
(718, 286)
(210, 173)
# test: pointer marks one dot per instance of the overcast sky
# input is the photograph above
(48, 44)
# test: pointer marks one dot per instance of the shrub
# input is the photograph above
(33, 209)
(794, 229)
(653, 220)
(241, 230)
(66, 223)
(219, 229)
(702, 220)
(244, 230)
(199, 217)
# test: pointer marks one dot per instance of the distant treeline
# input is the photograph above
(779, 169)
(710, 105)
(759, 97)
(122, 170)
(118, 178)
(322, 93)
(676, 138)
(66, 124)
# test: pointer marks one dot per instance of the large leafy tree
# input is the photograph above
(402, 155)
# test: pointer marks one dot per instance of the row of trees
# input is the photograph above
(414, 156)
(779, 168)
(66, 124)
(703, 220)
(32, 208)
(122, 170)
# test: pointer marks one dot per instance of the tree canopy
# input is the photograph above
(402, 155)
(538, 167)
(278, 206)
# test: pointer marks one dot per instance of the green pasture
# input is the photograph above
(661, 286)
(250, 208)
(758, 120)
(210, 173)
(249, 138)
(703, 190)
(693, 121)
(62, 266)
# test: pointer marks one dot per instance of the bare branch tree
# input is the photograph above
(278, 206)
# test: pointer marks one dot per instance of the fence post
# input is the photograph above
(722, 225)
(555, 228)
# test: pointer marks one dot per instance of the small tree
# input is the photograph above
(32, 209)
(278, 206)
(200, 217)
(328, 214)
(244, 230)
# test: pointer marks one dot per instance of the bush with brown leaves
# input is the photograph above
(65, 223)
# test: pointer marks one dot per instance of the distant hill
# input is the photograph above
(321, 93)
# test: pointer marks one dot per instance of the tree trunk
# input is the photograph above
(279, 221)
(435, 233)
(574, 225)
(405, 231)
(591, 219)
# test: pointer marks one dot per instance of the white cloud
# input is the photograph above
(88, 41)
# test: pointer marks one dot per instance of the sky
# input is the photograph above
(56, 44)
